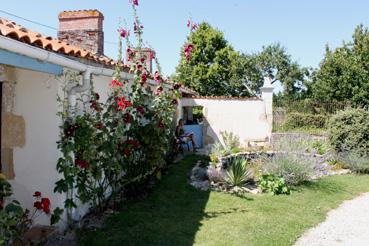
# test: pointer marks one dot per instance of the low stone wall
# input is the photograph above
(249, 156)
(277, 136)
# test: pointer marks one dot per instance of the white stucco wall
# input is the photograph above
(35, 162)
(245, 118)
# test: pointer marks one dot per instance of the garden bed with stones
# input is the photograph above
(211, 177)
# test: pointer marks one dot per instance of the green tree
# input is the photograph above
(344, 72)
(209, 69)
(215, 68)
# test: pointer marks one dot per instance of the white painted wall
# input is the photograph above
(245, 118)
(35, 162)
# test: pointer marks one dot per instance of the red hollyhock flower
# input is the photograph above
(97, 96)
(140, 109)
(188, 23)
(114, 83)
(175, 102)
(152, 55)
(95, 106)
(45, 205)
(142, 60)
(161, 125)
(143, 78)
(82, 164)
(123, 103)
(177, 86)
(159, 90)
(99, 126)
(126, 152)
(138, 67)
(133, 143)
(127, 118)
(37, 194)
(37, 205)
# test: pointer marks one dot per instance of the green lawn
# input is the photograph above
(176, 214)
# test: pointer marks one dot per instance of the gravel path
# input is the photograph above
(346, 225)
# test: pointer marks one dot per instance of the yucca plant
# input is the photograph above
(238, 172)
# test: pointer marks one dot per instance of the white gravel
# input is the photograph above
(346, 225)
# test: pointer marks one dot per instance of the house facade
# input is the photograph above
(32, 76)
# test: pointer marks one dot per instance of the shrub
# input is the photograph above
(355, 162)
(295, 169)
(273, 184)
(238, 172)
(320, 147)
(301, 120)
(231, 140)
(216, 152)
(216, 175)
(349, 131)
(291, 144)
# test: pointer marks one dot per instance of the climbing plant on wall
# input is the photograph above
(109, 146)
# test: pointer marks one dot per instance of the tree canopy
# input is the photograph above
(344, 72)
(215, 68)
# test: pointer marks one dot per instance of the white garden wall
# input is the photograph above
(250, 119)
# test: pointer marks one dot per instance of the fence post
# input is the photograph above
(267, 97)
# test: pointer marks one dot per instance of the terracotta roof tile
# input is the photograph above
(19, 33)
(11, 30)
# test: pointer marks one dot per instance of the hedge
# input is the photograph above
(303, 120)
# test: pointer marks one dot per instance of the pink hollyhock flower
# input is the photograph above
(188, 50)
(188, 23)
(123, 32)
(157, 77)
(142, 60)
(114, 83)
(194, 26)
(152, 55)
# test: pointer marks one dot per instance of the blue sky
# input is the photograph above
(303, 27)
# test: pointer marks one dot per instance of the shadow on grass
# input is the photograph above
(321, 185)
(171, 214)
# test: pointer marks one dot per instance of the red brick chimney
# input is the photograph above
(83, 28)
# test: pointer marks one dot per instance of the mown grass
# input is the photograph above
(176, 214)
